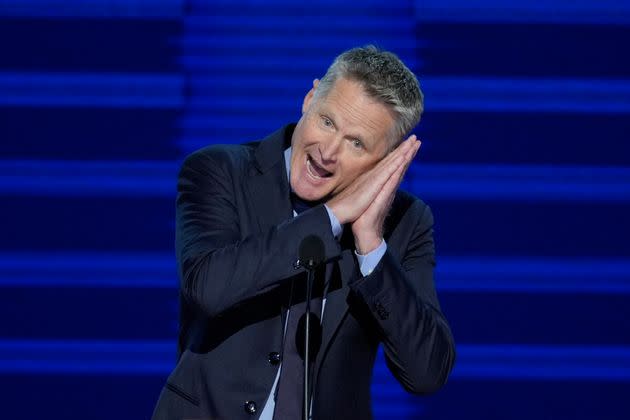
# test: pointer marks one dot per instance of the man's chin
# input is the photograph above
(314, 200)
(315, 197)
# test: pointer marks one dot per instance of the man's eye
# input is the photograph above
(327, 122)
(357, 143)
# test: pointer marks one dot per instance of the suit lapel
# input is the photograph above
(270, 196)
(344, 271)
(268, 183)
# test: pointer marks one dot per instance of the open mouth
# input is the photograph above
(315, 170)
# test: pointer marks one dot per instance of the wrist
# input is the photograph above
(365, 244)
(336, 211)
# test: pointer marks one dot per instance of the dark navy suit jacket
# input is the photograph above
(237, 242)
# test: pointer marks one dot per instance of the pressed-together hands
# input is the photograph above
(365, 203)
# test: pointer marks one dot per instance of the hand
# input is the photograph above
(350, 203)
(373, 190)
(368, 228)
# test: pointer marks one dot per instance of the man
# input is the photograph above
(237, 240)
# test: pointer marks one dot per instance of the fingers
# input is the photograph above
(401, 149)
(396, 154)
(350, 203)
(383, 170)
(399, 156)
(411, 155)
(393, 182)
(385, 197)
(395, 167)
(391, 185)
(408, 149)
(405, 153)
(382, 180)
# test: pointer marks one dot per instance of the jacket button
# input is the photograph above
(250, 407)
(273, 358)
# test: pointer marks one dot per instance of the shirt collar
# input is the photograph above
(287, 163)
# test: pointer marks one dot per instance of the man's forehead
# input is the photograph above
(349, 101)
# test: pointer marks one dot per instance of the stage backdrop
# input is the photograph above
(525, 162)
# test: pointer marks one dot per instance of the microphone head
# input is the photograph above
(311, 252)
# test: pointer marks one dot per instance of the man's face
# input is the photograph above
(339, 137)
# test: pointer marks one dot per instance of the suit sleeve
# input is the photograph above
(418, 345)
(218, 267)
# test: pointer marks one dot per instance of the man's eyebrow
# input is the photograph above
(365, 140)
(367, 143)
(329, 115)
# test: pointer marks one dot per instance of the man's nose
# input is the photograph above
(329, 149)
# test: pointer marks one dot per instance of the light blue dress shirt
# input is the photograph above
(367, 263)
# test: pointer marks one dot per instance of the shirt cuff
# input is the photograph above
(369, 261)
(334, 223)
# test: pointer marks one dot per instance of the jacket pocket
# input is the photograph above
(194, 401)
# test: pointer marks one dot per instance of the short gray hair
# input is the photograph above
(384, 77)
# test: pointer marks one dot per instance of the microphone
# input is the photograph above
(311, 253)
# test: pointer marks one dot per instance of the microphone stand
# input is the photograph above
(311, 253)
(310, 267)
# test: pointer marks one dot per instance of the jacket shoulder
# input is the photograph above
(224, 157)
(405, 201)
(407, 212)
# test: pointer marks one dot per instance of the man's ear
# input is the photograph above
(309, 96)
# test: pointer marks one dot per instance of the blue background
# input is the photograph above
(525, 162)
